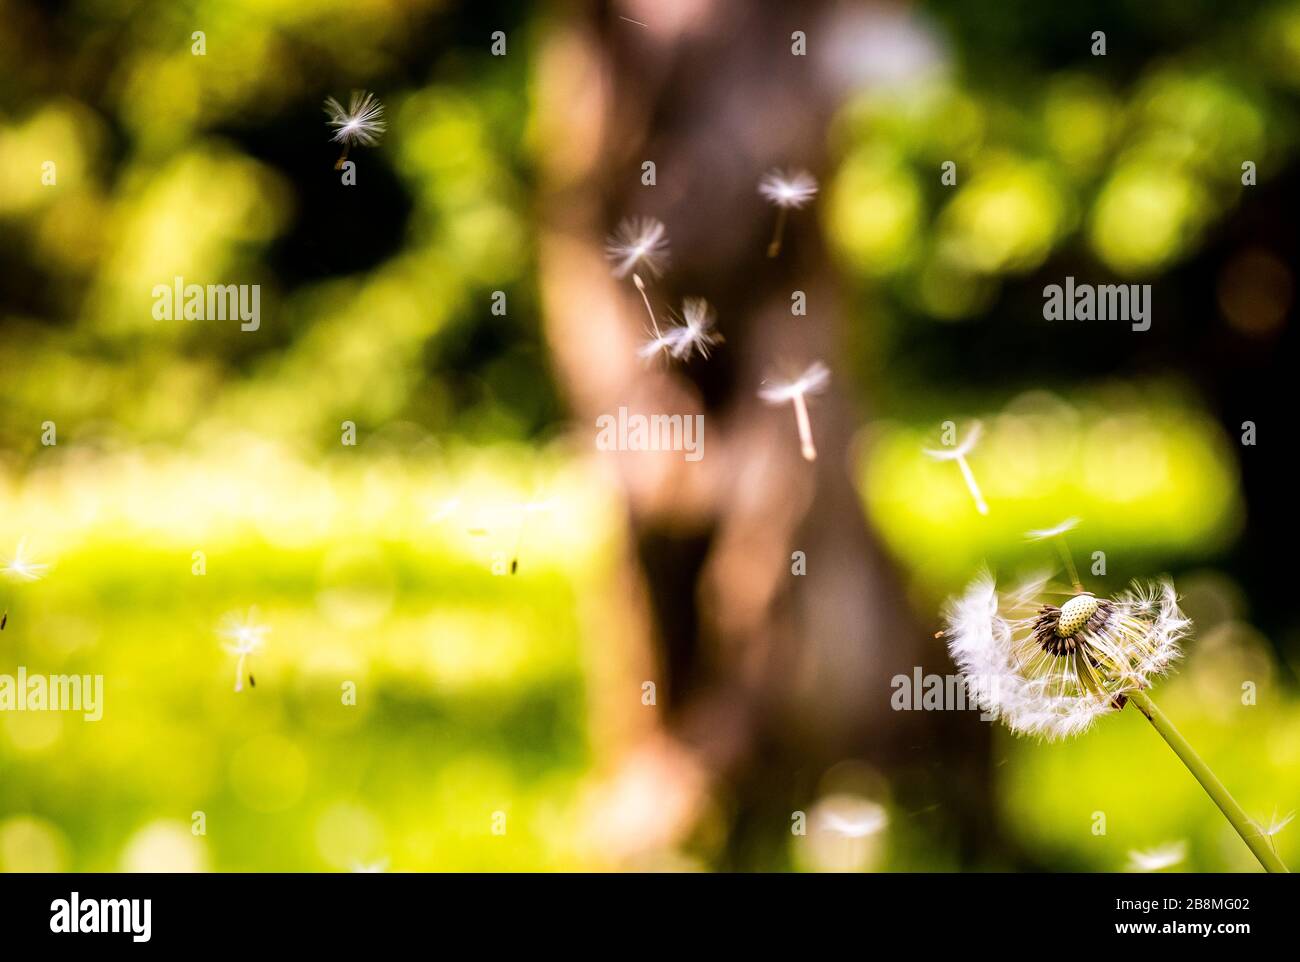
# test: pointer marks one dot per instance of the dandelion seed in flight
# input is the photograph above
(786, 192)
(1275, 827)
(445, 511)
(638, 243)
(22, 568)
(852, 817)
(695, 333)
(958, 453)
(361, 124)
(1157, 859)
(812, 381)
(246, 637)
(1057, 533)
(1276, 824)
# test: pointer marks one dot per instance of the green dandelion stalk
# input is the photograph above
(1246, 827)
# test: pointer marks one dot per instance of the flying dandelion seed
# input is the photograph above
(246, 637)
(1052, 670)
(370, 868)
(639, 242)
(1276, 824)
(361, 124)
(1157, 859)
(786, 192)
(857, 821)
(1057, 534)
(22, 568)
(657, 343)
(696, 330)
(846, 833)
(958, 453)
(1056, 531)
(445, 511)
(695, 333)
(813, 381)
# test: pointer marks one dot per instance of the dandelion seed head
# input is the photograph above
(1155, 859)
(1051, 670)
(813, 380)
(638, 242)
(792, 191)
(362, 123)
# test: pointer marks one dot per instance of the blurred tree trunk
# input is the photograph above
(764, 678)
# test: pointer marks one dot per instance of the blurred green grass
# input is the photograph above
(470, 694)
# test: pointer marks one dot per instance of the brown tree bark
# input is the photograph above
(764, 678)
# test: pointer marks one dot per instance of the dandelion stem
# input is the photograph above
(1064, 548)
(974, 488)
(774, 247)
(338, 164)
(640, 286)
(1246, 827)
(805, 427)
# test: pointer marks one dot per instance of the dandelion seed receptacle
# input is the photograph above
(1052, 670)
